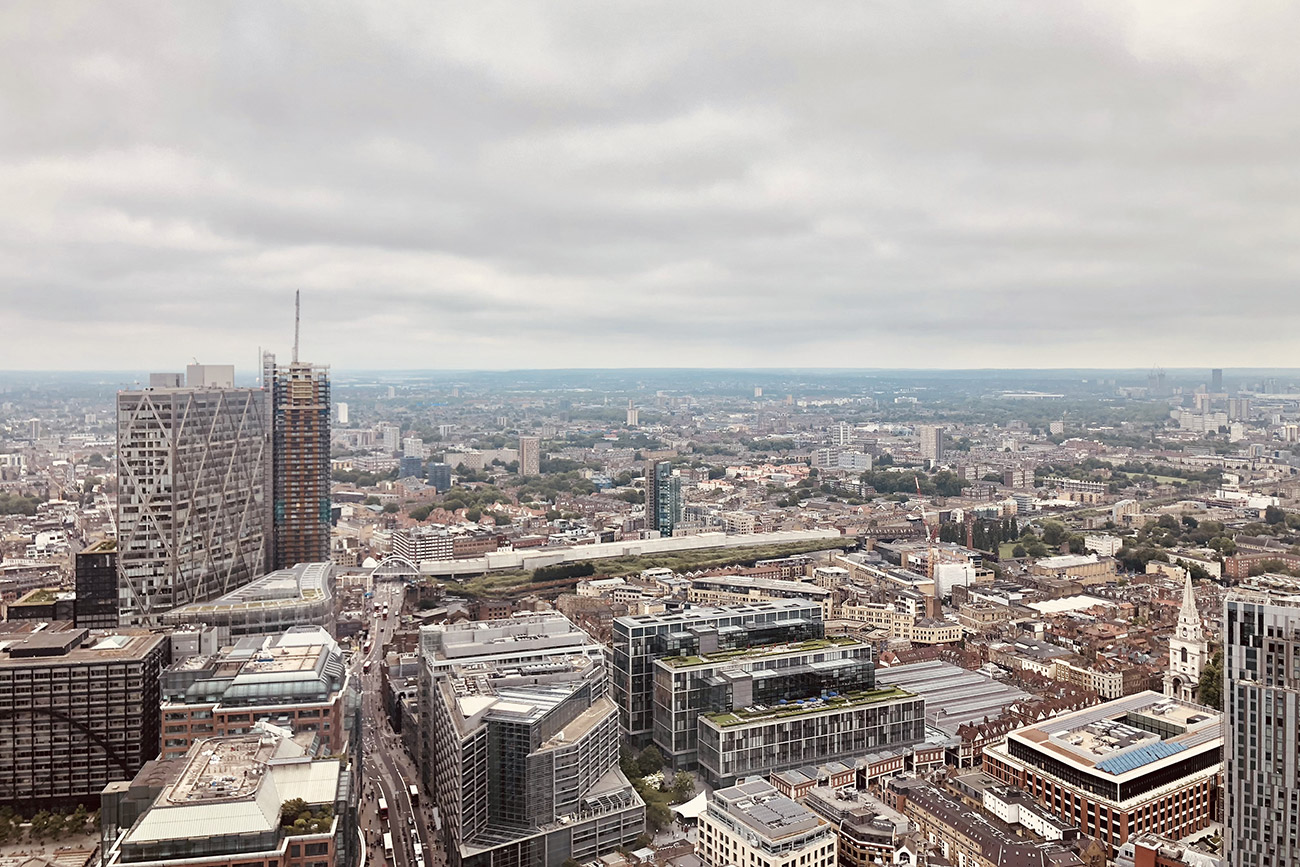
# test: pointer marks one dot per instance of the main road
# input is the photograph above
(387, 771)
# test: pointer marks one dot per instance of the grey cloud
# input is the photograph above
(603, 184)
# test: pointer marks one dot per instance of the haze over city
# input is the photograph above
(603, 185)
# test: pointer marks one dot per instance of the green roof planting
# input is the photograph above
(792, 709)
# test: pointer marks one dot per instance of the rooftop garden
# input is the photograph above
(297, 817)
(793, 709)
(40, 596)
(761, 651)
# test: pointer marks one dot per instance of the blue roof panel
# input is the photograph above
(1133, 759)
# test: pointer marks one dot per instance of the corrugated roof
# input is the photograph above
(249, 816)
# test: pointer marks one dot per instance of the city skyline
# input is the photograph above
(573, 186)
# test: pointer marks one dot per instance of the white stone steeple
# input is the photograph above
(1188, 650)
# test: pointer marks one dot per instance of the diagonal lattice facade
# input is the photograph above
(193, 507)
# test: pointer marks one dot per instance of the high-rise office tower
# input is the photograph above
(931, 443)
(300, 446)
(342, 409)
(663, 498)
(1216, 380)
(192, 511)
(1261, 703)
(530, 456)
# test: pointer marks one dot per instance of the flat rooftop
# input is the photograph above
(223, 770)
(284, 659)
(747, 653)
(765, 810)
(802, 588)
(703, 614)
(36, 646)
(804, 707)
(1127, 734)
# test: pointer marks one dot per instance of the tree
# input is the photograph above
(1211, 682)
(683, 787)
(292, 809)
(1019, 551)
(390, 508)
(1274, 515)
(649, 760)
(1053, 533)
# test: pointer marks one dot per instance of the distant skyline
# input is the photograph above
(498, 186)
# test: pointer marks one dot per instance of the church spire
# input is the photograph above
(1188, 615)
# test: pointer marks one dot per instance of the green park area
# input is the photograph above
(516, 582)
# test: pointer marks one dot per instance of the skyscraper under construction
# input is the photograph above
(300, 448)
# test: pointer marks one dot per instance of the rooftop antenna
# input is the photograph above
(297, 302)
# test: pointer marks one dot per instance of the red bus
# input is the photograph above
(365, 667)
(383, 810)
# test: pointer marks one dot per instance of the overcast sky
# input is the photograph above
(605, 184)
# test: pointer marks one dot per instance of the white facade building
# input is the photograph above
(754, 825)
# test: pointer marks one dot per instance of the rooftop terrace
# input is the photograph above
(742, 653)
(804, 707)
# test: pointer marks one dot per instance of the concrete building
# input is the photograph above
(341, 414)
(297, 681)
(423, 543)
(300, 596)
(753, 824)
(193, 514)
(931, 443)
(530, 456)
(742, 589)
(300, 438)
(220, 805)
(639, 641)
(439, 475)
(1261, 700)
(520, 744)
(708, 682)
(76, 711)
(1145, 763)
(95, 606)
(663, 498)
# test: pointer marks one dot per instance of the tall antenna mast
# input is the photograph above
(297, 303)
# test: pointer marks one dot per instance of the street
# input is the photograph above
(387, 771)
